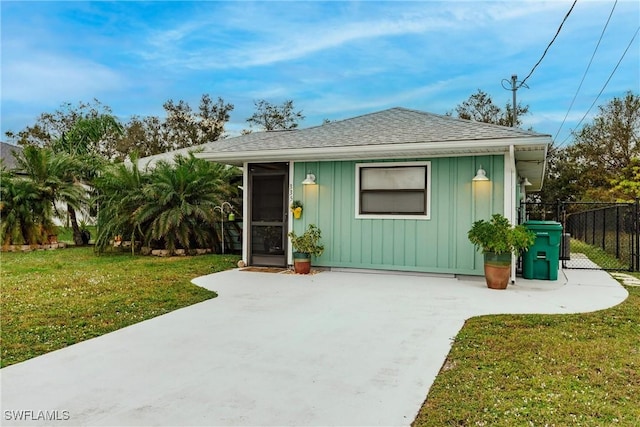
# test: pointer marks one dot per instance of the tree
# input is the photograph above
(275, 117)
(82, 143)
(212, 118)
(183, 128)
(562, 180)
(169, 207)
(119, 197)
(601, 163)
(50, 178)
(103, 135)
(20, 204)
(180, 200)
(51, 129)
(87, 135)
(626, 187)
(142, 137)
(480, 108)
(612, 140)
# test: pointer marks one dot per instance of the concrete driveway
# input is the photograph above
(335, 348)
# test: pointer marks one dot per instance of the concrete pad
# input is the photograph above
(627, 279)
(334, 348)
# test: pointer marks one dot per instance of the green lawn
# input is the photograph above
(542, 370)
(52, 299)
(65, 234)
(599, 256)
(507, 370)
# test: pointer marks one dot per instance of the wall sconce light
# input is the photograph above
(310, 179)
(526, 182)
(481, 175)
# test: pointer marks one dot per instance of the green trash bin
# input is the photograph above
(541, 261)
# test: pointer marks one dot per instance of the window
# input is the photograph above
(393, 190)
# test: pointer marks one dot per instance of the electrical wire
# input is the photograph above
(606, 83)
(587, 70)
(549, 45)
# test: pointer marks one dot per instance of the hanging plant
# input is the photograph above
(296, 208)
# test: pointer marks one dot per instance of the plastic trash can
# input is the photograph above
(542, 259)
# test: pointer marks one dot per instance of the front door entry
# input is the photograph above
(268, 214)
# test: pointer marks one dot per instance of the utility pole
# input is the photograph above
(514, 88)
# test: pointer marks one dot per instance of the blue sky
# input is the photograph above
(334, 59)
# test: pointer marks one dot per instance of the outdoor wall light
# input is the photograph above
(310, 179)
(481, 175)
(526, 182)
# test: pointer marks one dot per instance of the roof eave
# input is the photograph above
(413, 149)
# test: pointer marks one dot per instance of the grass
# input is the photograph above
(542, 370)
(612, 246)
(52, 299)
(508, 370)
(599, 256)
(65, 234)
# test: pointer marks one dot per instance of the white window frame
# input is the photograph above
(426, 164)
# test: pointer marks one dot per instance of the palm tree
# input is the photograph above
(21, 204)
(180, 200)
(84, 142)
(87, 135)
(119, 197)
(54, 178)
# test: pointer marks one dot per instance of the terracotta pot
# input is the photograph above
(301, 263)
(497, 270)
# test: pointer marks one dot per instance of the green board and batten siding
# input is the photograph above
(437, 245)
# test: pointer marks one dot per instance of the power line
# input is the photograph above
(587, 70)
(606, 83)
(550, 43)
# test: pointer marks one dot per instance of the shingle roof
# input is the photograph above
(7, 154)
(389, 130)
(392, 126)
(395, 133)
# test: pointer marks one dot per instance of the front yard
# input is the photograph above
(542, 370)
(506, 370)
(52, 299)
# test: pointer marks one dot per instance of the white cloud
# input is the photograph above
(260, 34)
(46, 78)
(273, 38)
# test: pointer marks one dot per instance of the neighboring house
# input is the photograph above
(8, 153)
(393, 190)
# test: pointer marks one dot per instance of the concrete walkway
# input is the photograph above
(334, 348)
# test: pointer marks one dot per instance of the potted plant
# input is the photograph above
(296, 208)
(304, 246)
(498, 240)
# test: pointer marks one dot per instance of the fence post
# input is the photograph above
(618, 231)
(604, 229)
(635, 253)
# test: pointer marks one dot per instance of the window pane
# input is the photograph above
(393, 203)
(267, 202)
(393, 178)
(267, 240)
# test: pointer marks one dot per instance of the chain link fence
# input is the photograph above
(595, 235)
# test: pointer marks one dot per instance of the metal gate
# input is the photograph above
(603, 236)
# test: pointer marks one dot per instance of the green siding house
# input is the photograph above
(391, 190)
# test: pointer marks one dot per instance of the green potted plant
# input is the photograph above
(498, 240)
(304, 246)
